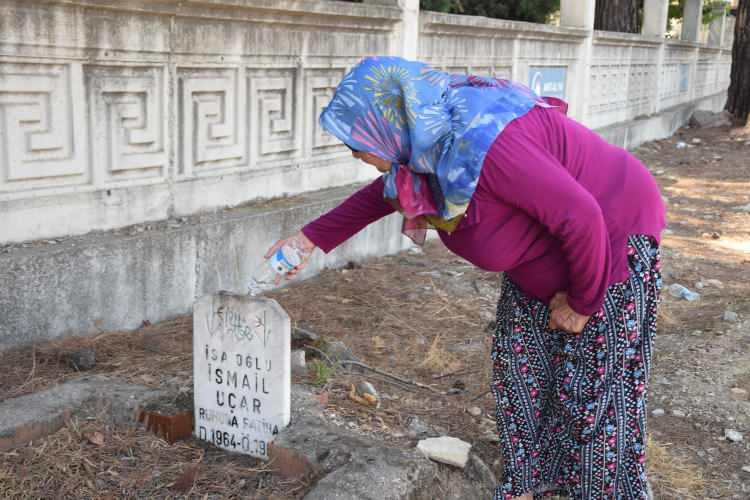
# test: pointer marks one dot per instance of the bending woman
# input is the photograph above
(511, 184)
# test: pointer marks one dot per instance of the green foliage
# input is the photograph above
(535, 11)
(710, 12)
(519, 10)
(321, 372)
(439, 5)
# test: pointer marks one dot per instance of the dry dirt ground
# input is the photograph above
(426, 317)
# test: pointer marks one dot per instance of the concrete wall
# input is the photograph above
(610, 79)
(114, 114)
(118, 112)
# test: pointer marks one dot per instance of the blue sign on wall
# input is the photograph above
(548, 80)
(684, 77)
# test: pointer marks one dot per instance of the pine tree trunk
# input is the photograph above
(738, 103)
(617, 15)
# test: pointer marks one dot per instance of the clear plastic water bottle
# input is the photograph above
(272, 270)
(680, 292)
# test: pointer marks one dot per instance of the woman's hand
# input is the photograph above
(301, 243)
(563, 317)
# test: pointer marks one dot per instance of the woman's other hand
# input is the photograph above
(300, 242)
(563, 317)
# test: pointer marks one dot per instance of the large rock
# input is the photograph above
(707, 119)
(348, 466)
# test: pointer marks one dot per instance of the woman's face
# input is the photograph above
(382, 165)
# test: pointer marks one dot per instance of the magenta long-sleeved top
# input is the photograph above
(553, 208)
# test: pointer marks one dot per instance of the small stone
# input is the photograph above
(730, 316)
(302, 334)
(667, 232)
(490, 437)
(446, 449)
(697, 140)
(474, 411)
(431, 274)
(416, 251)
(83, 359)
(680, 145)
(732, 435)
(678, 413)
(699, 285)
(416, 428)
(299, 364)
(744, 208)
(715, 282)
(659, 172)
(738, 391)
(458, 387)
(658, 412)
(746, 469)
(366, 391)
(339, 351)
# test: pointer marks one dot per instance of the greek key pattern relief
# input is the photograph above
(320, 87)
(273, 106)
(40, 135)
(212, 119)
(128, 121)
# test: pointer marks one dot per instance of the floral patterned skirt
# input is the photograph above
(571, 409)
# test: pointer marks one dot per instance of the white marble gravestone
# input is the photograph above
(241, 372)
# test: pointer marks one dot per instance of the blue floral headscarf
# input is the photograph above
(433, 126)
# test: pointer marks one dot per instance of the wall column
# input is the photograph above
(692, 19)
(718, 26)
(655, 14)
(579, 14)
(407, 38)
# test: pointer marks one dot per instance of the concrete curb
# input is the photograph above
(26, 418)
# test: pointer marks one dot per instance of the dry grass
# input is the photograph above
(673, 477)
(151, 356)
(665, 317)
(90, 459)
(438, 359)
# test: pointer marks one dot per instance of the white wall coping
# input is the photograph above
(627, 38)
(685, 44)
(263, 11)
(439, 23)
